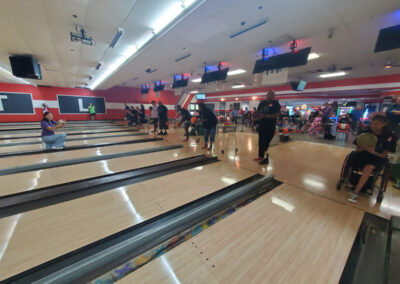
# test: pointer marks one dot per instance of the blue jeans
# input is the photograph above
(56, 140)
(210, 132)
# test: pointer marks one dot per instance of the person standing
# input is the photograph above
(163, 118)
(185, 120)
(267, 114)
(356, 116)
(92, 111)
(393, 116)
(154, 115)
(142, 115)
(209, 125)
(50, 139)
(45, 107)
(133, 116)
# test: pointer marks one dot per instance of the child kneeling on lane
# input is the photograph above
(52, 140)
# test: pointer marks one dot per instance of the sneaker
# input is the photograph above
(160, 133)
(57, 148)
(265, 161)
(258, 159)
(165, 133)
(352, 197)
(204, 147)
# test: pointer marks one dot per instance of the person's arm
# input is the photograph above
(58, 125)
(273, 115)
(371, 150)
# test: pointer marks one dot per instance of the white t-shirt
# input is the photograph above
(154, 112)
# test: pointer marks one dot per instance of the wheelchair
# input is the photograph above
(350, 176)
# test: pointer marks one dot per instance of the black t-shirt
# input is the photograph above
(269, 107)
(185, 115)
(162, 112)
(134, 113)
(142, 113)
(209, 118)
(386, 141)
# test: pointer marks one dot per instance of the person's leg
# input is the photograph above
(363, 179)
(206, 135)
(155, 121)
(261, 145)
(48, 141)
(59, 141)
(268, 137)
(213, 132)
(187, 130)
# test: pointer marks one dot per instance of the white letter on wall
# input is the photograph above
(1, 103)
(81, 108)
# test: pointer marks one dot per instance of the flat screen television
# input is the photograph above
(145, 89)
(388, 38)
(25, 67)
(158, 86)
(180, 81)
(201, 96)
(286, 60)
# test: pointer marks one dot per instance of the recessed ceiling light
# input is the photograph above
(236, 72)
(238, 86)
(254, 98)
(222, 100)
(236, 99)
(334, 74)
(194, 92)
(312, 56)
(198, 80)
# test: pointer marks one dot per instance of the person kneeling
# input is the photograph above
(367, 157)
(51, 140)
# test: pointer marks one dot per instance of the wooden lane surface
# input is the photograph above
(314, 167)
(38, 132)
(38, 139)
(37, 125)
(73, 143)
(42, 178)
(31, 238)
(286, 236)
(19, 161)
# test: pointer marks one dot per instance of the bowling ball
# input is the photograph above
(178, 124)
(193, 120)
(285, 130)
(367, 140)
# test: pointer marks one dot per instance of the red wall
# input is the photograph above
(118, 95)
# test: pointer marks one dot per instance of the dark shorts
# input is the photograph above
(361, 159)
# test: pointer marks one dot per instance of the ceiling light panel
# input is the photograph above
(157, 20)
(335, 74)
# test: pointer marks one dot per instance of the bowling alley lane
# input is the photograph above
(17, 133)
(31, 238)
(42, 178)
(72, 143)
(82, 136)
(19, 161)
(271, 240)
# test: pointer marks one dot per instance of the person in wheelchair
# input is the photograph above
(369, 158)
